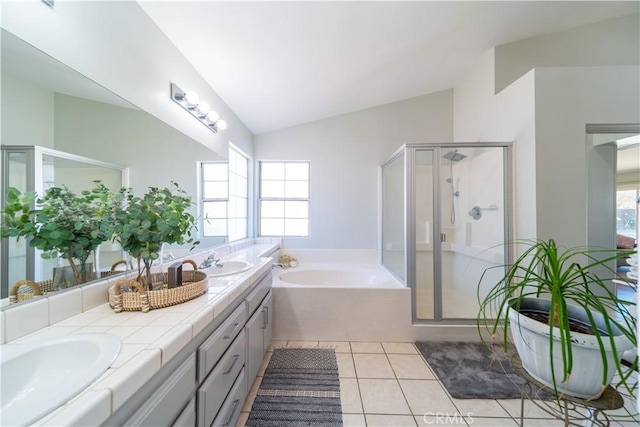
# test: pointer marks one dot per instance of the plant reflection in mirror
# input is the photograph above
(63, 224)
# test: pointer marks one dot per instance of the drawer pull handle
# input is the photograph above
(230, 333)
(265, 322)
(233, 362)
(236, 404)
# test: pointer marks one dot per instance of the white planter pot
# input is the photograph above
(532, 342)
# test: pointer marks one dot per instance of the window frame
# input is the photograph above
(239, 153)
(227, 200)
(284, 199)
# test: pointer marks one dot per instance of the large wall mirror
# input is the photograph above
(613, 178)
(83, 131)
(33, 168)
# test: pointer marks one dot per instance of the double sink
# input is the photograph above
(37, 378)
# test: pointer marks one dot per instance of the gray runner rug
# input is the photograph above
(300, 387)
(470, 370)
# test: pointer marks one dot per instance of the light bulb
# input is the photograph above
(213, 116)
(221, 125)
(191, 97)
(203, 108)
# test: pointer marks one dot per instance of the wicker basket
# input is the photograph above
(26, 289)
(114, 270)
(130, 295)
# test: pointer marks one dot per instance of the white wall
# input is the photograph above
(27, 113)
(118, 46)
(155, 152)
(481, 115)
(567, 99)
(345, 152)
(611, 42)
(545, 113)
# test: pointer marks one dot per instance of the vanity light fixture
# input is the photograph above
(190, 101)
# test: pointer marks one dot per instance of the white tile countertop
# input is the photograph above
(149, 340)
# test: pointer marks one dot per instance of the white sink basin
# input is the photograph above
(228, 268)
(38, 378)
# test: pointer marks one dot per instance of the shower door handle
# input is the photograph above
(443, 237)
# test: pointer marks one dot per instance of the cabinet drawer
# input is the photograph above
(187, 417)
(165, 404)
(257, 295)
(214, 346)
(215, 388)
(233, 404)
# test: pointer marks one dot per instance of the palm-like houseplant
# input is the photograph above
(63, 224)
(161, 216)
(562, 285)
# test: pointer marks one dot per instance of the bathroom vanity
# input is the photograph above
(191, 364)
(207, 382)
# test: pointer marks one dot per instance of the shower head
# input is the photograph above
(454, 156)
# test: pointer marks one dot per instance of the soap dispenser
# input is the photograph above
(174, 275)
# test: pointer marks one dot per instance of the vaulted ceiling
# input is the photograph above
(278, 64)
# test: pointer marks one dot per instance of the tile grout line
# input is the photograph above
(355, 371)
(400, 387)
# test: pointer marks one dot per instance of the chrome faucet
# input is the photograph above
(212, 259)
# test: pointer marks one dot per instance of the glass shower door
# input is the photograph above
(425, 292)
(472, 212)
(445, 219)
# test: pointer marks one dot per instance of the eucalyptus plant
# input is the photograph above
(565, 276)
(159, 216)
(61, 223)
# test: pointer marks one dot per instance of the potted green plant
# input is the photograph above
(63, 224)
(568, 327)
(161, 216)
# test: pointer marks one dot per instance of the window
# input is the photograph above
(224, 197)
(238, 195)
(626, 212)
(284, 198)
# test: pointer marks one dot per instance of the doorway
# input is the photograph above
(614, 194)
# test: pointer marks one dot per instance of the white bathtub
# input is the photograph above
(336, 275)
(340, 302)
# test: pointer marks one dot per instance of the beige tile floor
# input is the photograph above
(390, 384)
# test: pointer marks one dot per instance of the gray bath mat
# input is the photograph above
(300, 387)
(470, 370)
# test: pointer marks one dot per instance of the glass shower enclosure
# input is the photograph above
(445, 214)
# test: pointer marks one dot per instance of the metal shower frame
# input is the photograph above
(409, 150)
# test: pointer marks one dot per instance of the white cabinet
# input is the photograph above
(187, 417)
(267, 313)
(213, 348)
(259, 326)
(214, 390)
(230, 410)
(163, 406)
(259, 330)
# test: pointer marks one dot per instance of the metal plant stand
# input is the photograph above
(572, 410)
